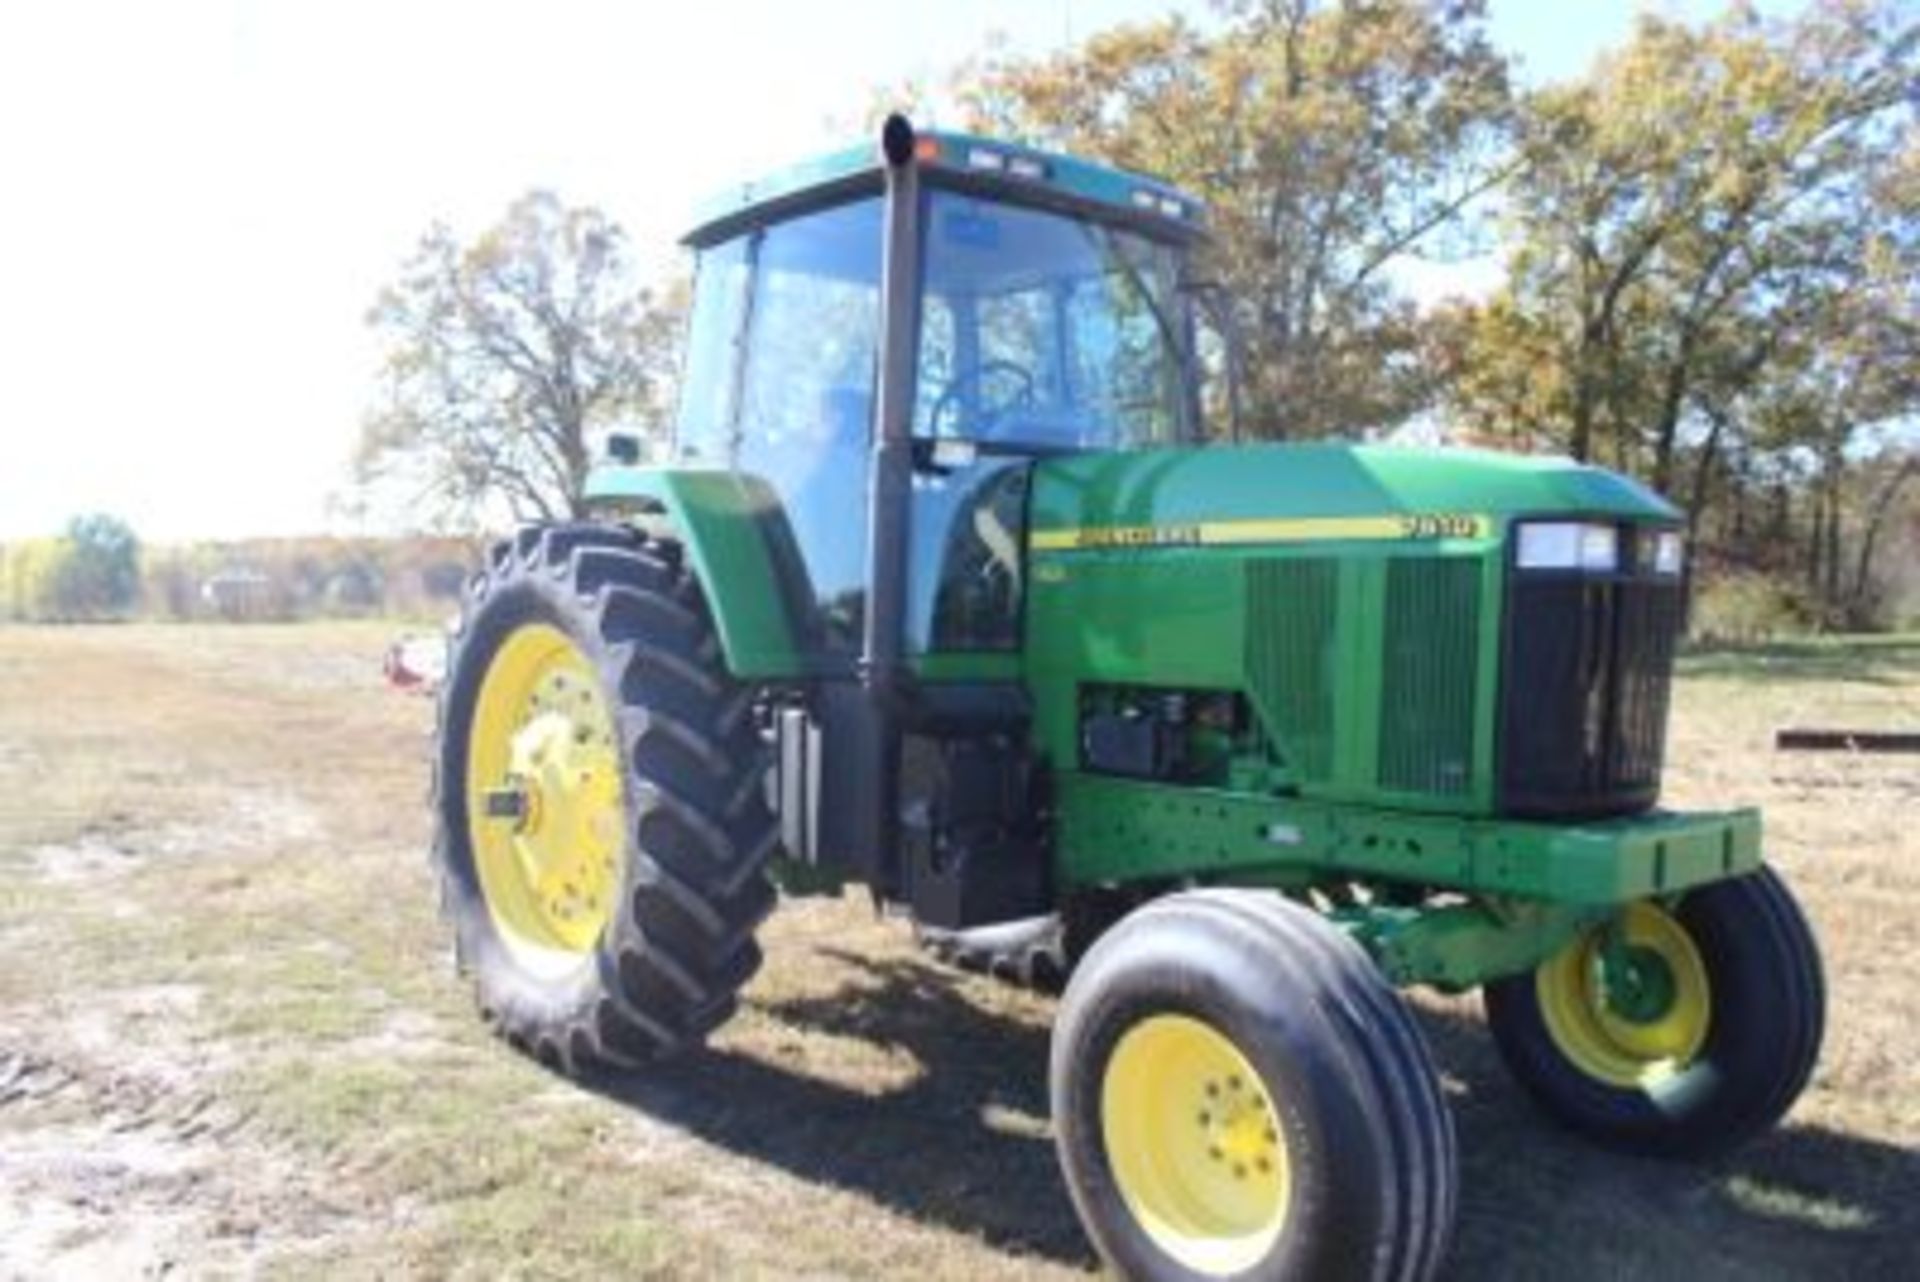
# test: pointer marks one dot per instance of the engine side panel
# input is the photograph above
(1370, 668)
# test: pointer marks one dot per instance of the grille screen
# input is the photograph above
(1290, 660)
(1651, 617)
(1428, 683)
(1584, 702)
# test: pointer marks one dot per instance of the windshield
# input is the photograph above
(1047, 331)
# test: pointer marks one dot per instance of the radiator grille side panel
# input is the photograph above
(1291, 609)
(1429, 677)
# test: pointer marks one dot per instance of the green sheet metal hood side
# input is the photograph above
(1171, 488)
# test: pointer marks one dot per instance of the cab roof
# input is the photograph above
(1007, 170)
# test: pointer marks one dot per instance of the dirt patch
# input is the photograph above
(115, 1175)
(257, 823)
(91, 858)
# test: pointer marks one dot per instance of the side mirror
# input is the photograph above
(943, 456)
(623, 447)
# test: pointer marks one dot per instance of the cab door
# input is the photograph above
(784, 393)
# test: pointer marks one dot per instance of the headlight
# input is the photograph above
(1660, 551)
(1569, 545)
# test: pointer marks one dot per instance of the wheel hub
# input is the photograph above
(547, 795)
(1639, 984)
(1195, 1144)
(566, 828)
(1628, 1003)
(1239, 1132)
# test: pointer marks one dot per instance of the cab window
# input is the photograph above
(704, 430)
(806, 397)
(1048, 331)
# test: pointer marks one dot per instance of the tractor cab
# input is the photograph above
(1043, 313)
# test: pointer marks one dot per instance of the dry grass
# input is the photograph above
(229, 1040)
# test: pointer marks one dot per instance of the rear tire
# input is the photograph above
(1238, 1093)
(1766, 1015)
(659, 962)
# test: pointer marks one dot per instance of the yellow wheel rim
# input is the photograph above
(1195, 1144)
(1645, 1023)
(544, 797)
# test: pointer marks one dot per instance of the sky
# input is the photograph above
(199, 199)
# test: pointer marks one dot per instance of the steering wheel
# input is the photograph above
(949, 398)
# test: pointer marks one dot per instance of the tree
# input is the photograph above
(505, 355)
(30, 567)
(1712, 283)
(1693, 199)
(1330, 140)
(170, 582)
(91, 572)
(98, 574)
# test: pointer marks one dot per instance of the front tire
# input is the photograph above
(1237, 1093)
(1720, 1054)
(601, 826)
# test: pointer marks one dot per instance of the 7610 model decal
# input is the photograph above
(1310, 529)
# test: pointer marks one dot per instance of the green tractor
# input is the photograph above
(944, 593)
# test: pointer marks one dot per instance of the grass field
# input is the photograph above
(230, 1039)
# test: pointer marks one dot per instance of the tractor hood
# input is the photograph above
(1279, 493)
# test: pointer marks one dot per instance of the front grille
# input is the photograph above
(1587, 667)
(1651, 618)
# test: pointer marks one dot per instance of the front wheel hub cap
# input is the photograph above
(1196, 1144)
(1629, 1009)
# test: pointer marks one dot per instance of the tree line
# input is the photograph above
(1705, 249)
(98, 570)
(89, 572)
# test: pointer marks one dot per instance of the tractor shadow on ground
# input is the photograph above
(964, 1145)
(1536, 1202)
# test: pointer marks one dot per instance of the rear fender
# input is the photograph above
(728, 523)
